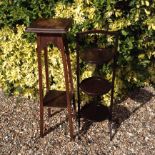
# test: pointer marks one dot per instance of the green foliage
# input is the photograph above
(134, 19)
(14, 12)
(18, 63)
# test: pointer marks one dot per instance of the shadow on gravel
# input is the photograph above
(141, 96)
(56, 112)
(91, 112)
(87, 124)
(50, 129)
(121, 113)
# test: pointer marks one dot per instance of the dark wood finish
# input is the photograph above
(94, 112)
(55, 98)
(95, 86)
(46, 73)
(50, 26)
(97, 55)
(53, 31)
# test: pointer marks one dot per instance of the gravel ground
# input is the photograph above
(134, 129)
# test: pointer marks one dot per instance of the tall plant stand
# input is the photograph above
(96, 85)
(53, 31)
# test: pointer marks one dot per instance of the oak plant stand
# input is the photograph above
(53, 31)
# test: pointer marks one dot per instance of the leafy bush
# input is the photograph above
(134, 19)
(18, 63)
(14, 12)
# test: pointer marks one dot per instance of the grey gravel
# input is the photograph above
(133, 124)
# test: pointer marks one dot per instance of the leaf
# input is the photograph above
(141, 56)
(147, 3)
(125, 33)
(147, 11)
(153, 26)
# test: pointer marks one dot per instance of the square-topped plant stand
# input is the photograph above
(53, 31)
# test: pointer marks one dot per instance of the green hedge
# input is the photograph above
(134, 19)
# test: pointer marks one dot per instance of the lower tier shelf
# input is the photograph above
(55, 98)
(95, 86)
(95, 112)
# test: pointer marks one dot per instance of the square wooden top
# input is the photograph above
(51, 26)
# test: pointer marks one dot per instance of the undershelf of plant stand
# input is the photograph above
(94, 112)
(55, 98)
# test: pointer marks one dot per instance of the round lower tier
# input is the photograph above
(95, 86)
(97, 55)
(95, 112)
